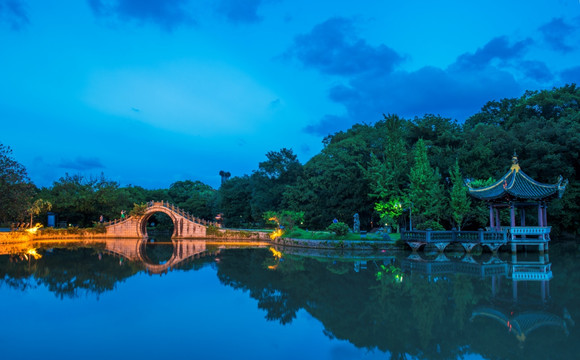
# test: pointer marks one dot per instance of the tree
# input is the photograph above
(425, 191)
(460, 202)
(272, 179)
(81, 200)
(38, 207)
(16, 190)
(390, 212)
(331, 185)
(286, 218)
(194, 197)
(234, 201)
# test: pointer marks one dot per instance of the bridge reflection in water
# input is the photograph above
(136, 250)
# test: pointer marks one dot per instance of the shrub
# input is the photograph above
(213, 231)
(339, 228)
(430, 224)
(138, 210)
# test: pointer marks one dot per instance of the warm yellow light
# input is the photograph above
(34, 229)
(276, 234)
(277, 254)
(33, 253)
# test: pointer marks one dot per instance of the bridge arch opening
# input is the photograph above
(158, 225)
(157, 251)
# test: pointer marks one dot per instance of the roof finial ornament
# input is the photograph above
(515, 166)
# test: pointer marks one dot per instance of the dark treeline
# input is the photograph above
(382, 171)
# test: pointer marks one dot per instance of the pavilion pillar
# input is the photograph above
(540, 215)
(523, 217)
(491, 222)
(512, 215)
(497, 223)
(545, 214)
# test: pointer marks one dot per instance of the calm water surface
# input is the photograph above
(123, 299)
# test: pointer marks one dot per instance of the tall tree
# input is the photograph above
(194, 197)
(459, 201)
(272, 179)
(16, 190)
(425, 191)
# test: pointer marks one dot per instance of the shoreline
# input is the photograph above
(256, 238)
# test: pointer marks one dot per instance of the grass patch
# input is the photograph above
(326, 235)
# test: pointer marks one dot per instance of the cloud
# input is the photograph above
(329, 124)
(571, 75)
(457, 91)
(81, 163)
(332, 47)
(536, 70)
(275, 104)
(168, 14)
(13, 13)
(498, 48)
(555, 34)
(237, 11)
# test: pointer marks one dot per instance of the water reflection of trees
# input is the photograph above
(425, 316)
(71, 270)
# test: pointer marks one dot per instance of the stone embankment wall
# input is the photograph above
(336, 244)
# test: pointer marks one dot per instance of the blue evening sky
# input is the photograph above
(151, 92)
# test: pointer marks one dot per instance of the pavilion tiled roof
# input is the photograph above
(518, 185)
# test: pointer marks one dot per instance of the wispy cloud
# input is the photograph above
(81, 163)
(557, 32)
(237, 11)
(168, 14)
(13, 13)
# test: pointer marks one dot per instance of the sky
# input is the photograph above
(151, 92)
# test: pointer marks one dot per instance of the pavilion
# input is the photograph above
(518, 191)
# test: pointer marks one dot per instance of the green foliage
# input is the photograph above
(389, 274)
(271, 181)
(212, 230)
(99, 228)
(234, 202)
(286, 218)
(390, 212)
(430, 224)
(425, 191)
(37, 207)
(16, 190)
(331, 184)
(138, 210)
(339, 228)
(459, 202)
(194, 197)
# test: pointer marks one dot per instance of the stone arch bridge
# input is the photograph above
(184, 224)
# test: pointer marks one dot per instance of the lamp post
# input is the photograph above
(411, 217)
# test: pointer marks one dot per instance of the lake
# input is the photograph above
(157, 298)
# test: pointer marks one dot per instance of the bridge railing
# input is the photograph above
(173, 208)
(183, 213)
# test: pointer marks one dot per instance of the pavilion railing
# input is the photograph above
(431, 236)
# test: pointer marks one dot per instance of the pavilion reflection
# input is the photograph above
(520, 290)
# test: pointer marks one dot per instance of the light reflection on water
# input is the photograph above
(125, 298)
